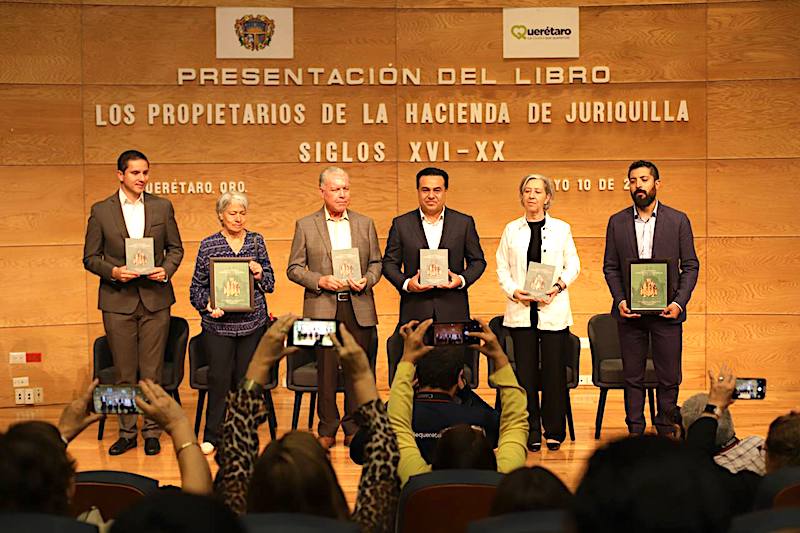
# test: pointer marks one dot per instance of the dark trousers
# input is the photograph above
(137, 343)
(635, 339)
(550, 378)
(228, 359)
(328, 377)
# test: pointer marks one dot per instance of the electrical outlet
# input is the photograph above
(20, 381)
(19, 396)
(585, 379)
(38, 395)
(28, 396)
(16, 358)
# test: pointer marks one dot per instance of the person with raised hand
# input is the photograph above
(168, 414)
(77, 415)
(294, 473)
(453, 449)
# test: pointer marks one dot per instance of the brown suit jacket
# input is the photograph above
(104, 248)
(311, 258)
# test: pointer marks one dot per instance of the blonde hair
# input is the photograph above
(549, 189)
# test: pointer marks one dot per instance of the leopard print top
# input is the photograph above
(378, 488)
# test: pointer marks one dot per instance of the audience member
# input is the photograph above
(650, 484)
(442, 400)
(461, 447)
(783, 442)
(530, 489)
(177, 512)
(294, 474)
(731, 452)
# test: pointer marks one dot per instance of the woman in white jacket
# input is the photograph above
(539, 326)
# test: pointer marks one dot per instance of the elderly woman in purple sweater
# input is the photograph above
(229, 339)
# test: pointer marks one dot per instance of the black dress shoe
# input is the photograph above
(151, 446)
(534, 446)
(122, 445)
(553, 445)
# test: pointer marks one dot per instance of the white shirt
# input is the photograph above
(645, 229)
(133, 213)
(558, 249)
(339, 231)
(433, 230)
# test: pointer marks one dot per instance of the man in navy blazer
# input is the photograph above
(433, 226)
(650, 230)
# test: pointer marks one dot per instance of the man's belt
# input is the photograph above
(342, 296)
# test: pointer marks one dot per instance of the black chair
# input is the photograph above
(198, 380)
(301, 377)
(35, 522)
(573, 361)
(607, 365)
(171, 370)
(774, 485)
(767, 521)
(529, 522)
(110, 491)
(446, 500)
(295, 523)
(394, 352)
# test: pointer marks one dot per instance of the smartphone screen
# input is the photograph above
(445, 333)
(312, 333)
(750, 389)
(116, 399)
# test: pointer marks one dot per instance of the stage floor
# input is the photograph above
(750, 418)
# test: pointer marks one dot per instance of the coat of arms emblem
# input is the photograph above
(255, 31)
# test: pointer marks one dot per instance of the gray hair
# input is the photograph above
(549, 188)
(330, 170)
(694, 406)
(227, 199)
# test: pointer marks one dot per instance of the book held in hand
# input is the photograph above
(346, 264)
(539, 279)
(139, 255)
(433, 267)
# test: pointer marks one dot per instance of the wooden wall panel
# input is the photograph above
(279, 193)
(756, 346)
(40, 44)
(351, 37)
(608, 38)
(489, 192)
(560, 140)
(753, 275)
(731, 213)
(41, 125)
(233, 143)
(753, 40)
(42, 285)
(41, 205)
(754, 119)
(65, 366)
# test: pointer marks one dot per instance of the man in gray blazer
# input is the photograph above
(334, 227)
(650, 230)
(135, 307)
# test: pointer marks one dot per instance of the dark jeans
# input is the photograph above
(550, 378)
(228, 359)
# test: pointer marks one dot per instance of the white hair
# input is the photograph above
(330, 170)
(227, 199)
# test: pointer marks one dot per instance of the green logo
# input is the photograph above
(519, 31)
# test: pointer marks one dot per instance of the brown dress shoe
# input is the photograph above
(327, 442)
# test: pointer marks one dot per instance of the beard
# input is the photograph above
(643, 201)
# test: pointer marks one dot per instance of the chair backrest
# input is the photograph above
(603, 338)
(767, 521)
(294, 361)
(446, 500)
(295, 523)
(197, 360)
(528, 522)
(573, 359)
(35, 522)
(175, 353)
(101, 353)
(273, 373)
(504, 336)
(110, 491)
(772, 486)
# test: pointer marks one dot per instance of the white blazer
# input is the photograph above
(558, 249)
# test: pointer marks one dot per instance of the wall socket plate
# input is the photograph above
(19, 396)
(38, 395)
(16, 358)
(585, 379)
(21, 381)
(29, 397)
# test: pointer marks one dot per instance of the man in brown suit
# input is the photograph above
(135, 307)
(311, 265)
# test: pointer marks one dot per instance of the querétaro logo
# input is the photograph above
(522, 32)
(255, 31)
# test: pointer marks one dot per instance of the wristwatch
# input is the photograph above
(250, 385)
(713, 410)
